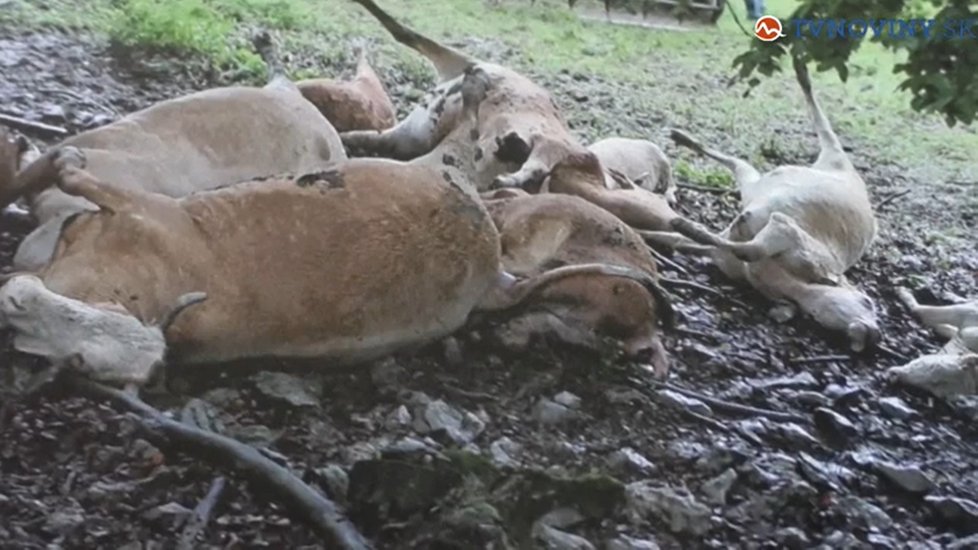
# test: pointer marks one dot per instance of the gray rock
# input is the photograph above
(720, 458)
(812, 399)
(835, 427)
(862, 513)
(398, 418)
(287, 388)
(965, 405)
(550, 538)
(940, 374)
(880, 542)
(386, 375)
(907, 477)
(801, 380)
(679, 400)
(65, 518)
(625, 542)
(568, 400)
(505, 452)
(826, 474)
(224, 398)
(631, 461)
(840, 540)
(678, 508)
(715, 490)
(438, 416)
(409, 446)
(551, 413)
(796, 435)
(894, 407)
(562, 518)
(335, 481)
(171, 512)
(958, 511)
(792, 538)
(966, 543)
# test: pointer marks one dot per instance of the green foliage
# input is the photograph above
(186, 26)
(939, 73)
(708, 177)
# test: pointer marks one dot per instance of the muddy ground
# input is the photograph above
(465, 444)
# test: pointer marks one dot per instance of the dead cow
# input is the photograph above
(638, 160)
(176, 147)
(954, 369)
(349, 263)
(515, 111)
(358, 104)
(800, 229)
(538, 232)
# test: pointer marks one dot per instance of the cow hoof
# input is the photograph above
(69, 157)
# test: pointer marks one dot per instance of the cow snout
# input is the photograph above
(649, 351)
(863, 336)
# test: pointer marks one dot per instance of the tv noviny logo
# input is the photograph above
(769, 28)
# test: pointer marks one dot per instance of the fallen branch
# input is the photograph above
(892, 197)
(25, 125)
(201, 515)
(818, 359)
(317, 510)
(659, 257)
(707, 189)
(892, 353)
(709, 290)
(735, 408)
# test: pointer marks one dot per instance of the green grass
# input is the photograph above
(680, 74)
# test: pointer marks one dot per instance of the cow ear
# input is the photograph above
(513, 148)
(22, 144)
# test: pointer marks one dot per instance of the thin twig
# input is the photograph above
(78, 97)
(23, 125)
(818, 359)
(736, 408)
(666, 261)
(736, 18)
(692, 332)
(702, 287)
(892, 197)
(201, 515)
(707, 189)
(317, 510)
(892, 353)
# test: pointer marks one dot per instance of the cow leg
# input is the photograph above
(744, 174)
(74, 180)
(957, 316)
(412, 137)
(831, 156)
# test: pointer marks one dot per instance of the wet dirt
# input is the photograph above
(497, 440)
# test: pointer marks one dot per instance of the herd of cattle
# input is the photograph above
(229, 223)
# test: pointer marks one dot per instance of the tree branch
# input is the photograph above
(317, 510)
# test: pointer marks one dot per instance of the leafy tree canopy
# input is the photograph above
(942, 73)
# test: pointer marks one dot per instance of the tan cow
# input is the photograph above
(349, 263)
(799, 230)
(179, 146)
(358, 104)
(540, 232)
(638, 160)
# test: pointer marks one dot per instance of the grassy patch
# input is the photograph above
(707, 177)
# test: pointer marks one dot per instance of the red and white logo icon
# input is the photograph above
(768, 28)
